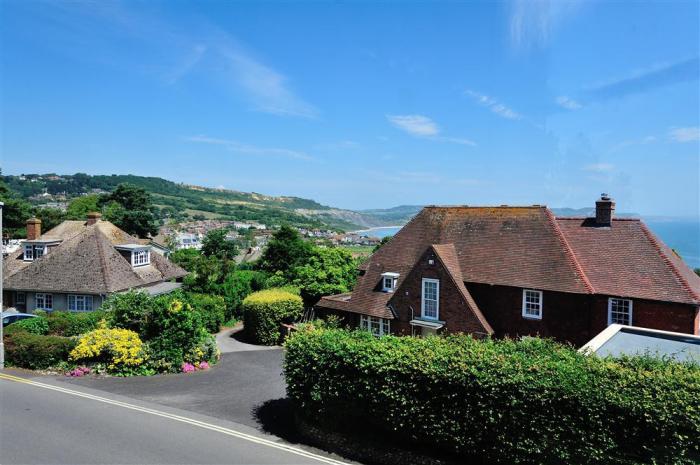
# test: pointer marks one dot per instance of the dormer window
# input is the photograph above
(389, 280)
(35, 249)
(140, 257)
(137, 254)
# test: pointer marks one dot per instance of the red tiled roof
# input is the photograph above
(447, 254)
(627, 260)
(528, 247)
(514, 246)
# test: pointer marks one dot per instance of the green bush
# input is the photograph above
(175, 334)
(73, 323)
(27, 350)
(211, 309)
(529, 401)
(265, 311)
(36, 325)
(129, 310)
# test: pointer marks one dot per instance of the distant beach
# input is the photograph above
(681, 235)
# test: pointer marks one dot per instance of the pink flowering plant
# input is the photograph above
(78, 372)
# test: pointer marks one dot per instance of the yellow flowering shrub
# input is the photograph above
(118, 348)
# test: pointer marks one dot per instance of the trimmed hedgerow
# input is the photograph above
(265, 311)
(73, 323)
(529, 401)
(27, 350)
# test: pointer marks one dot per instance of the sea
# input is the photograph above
(681, 235)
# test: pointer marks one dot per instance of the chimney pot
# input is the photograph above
(33, 228)
(604, 210)
(93, 217)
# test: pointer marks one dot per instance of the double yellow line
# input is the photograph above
(200, 424)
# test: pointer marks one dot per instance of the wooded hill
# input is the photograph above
(188, 201)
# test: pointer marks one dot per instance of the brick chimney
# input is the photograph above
(33, 228)
(604, 210)
(93, 217)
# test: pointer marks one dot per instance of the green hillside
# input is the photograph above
(187, 201)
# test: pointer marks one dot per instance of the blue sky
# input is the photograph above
(363, 105)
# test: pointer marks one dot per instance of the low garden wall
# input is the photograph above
(529, 401)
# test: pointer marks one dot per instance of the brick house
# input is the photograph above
(77, 264)
(515, 271)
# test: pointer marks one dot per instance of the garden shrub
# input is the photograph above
(211, 309)
(74, 323)
(26, 350)
(129, 310)
(117, 348)
(265, 311)
(528, 401)
(36, 325)
(176, 334)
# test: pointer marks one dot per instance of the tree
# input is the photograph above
(384, 240)
(79, 207)
(50, 217)
(15, 212)
(129, 208)
(697, 271)
(327, 271)
(215, 244)
(285, 251)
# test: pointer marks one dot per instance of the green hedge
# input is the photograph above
(529, 401)
(265, 311)
(36, 325)
(73, 323)
(27, 350)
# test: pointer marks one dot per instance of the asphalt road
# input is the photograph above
(58, 423)
(234, 389)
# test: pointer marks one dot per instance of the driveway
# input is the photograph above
(233, 389)
(232, 340)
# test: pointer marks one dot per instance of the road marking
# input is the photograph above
(201, 424)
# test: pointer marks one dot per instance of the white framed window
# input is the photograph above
(38, 251)
(377, 326)
(532, 304)
(43, 301)
(430, 299)
(79, 303)
(389, 280)
(28, 252)
(140, 257)
(20, 298)
(619, 311)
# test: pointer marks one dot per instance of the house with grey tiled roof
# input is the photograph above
(517, 271)
(77, 264)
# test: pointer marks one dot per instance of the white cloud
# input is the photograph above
(239, 147)
(266, 88)
(632, 142)
(568, 103)
(417, 125)
(599, 167)
(532, 22)
(457, 140)
(690, 134)
(171, 53)
(494, 105)
(422, 126)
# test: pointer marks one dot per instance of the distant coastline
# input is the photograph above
(380, 231)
